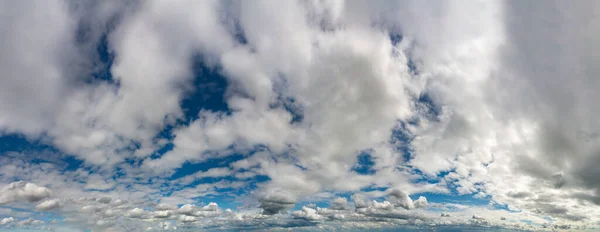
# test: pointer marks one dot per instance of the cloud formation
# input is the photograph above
(22, 191)
(130, 115)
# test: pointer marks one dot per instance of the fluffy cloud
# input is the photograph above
(47, 205)
(360, 201)
(135, 213)
(276, 201)
(339, 203)
(30, 221)
(22, 191)
(7, 220)
(306, 213)
(421, 202)
(402, 199)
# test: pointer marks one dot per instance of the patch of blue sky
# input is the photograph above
(207, 92)
(19, 143)
(36, 151)
(223, 196)
(465, 199)
(42, 216)
(103, 63)
(364, 163)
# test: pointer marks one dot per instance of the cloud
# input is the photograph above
(276, 201)
(162, 213)
(165, 207)
(48, 205)
(340, 203)
(421, 202)
(401, 199)
(30, 221)
(360, 201)
(306, 213)
(7, 220)
(135, 213)
(188, 209)
(22, 191)
(477, 217)
(482, 99)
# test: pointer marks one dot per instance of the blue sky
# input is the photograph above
(311, 115)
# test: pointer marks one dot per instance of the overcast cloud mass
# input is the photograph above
(305, 115)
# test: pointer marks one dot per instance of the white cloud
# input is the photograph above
(7, 220)
(50, 204)
(421, 202)
(188, 209)
(510, 115)
(135, 213)
(340, 203)
(306, 213)
(162, 213)
(30, 221)
(162, 206)
(22, 191)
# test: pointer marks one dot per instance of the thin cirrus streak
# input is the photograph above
(302, 115)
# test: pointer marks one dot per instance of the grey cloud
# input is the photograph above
(105, 200)
(401, 199)
(360, 201)
(396, 214)
(274, 206)
(519, 194)
(275, 201)
(339, 203)
(511, 128)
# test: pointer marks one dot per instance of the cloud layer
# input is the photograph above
(161, 115)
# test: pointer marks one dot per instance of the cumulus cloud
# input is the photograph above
(30, 221)
(276, 201)
(48, 205)
(421, 202)
(162, 213)
(306, 213)
(163, 206)
(401, 199)
(135, 213)
(360, 201)
(22, 191)
(188, 209)
(340, 203)
(7, 220)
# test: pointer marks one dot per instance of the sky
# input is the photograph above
(315, 115)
